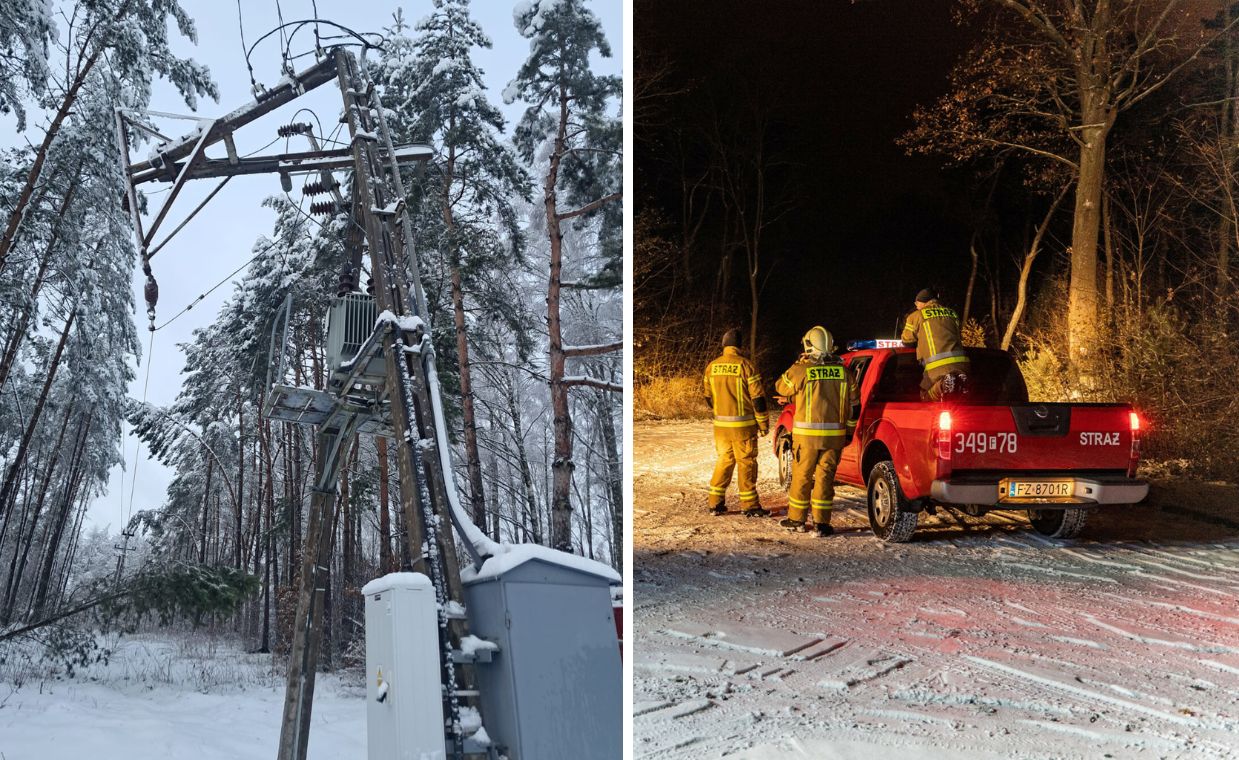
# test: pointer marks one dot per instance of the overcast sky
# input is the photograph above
(221, 237)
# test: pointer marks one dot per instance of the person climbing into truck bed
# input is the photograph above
(822, 390)
(934, 330)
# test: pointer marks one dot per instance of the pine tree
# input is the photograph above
(436, 93)
(132, 36)
(26, 31)
(569, 112)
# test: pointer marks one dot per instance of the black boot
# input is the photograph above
(795, 526)
(756, 511)
(718, 509)
(824, 530)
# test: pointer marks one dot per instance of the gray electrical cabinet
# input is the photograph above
(554, 690)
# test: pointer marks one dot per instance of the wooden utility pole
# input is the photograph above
(401, 403)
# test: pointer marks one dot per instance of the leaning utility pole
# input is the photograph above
(387, 387)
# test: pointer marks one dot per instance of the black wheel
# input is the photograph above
(887, 516)
(784, 450)
(1058, 523)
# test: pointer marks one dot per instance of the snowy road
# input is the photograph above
(978, 639)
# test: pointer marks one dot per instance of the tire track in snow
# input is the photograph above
(1079, 691)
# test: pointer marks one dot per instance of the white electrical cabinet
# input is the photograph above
(404, 705)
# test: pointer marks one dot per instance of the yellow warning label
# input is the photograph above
(829, 372)
(378, 680)
(937, 312)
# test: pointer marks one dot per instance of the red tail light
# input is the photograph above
(1135, 445)
(942, 445)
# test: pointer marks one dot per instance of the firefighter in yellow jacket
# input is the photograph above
(823, 391)
(934, 330)
(733, 389)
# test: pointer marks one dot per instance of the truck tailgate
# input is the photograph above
(1041, 437)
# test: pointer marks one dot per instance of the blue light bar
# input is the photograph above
(861, 345)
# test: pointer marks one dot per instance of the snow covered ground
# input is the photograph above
(979, 639)
(166, 698)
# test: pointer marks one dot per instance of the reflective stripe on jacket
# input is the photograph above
(823, 392)
(731, 384)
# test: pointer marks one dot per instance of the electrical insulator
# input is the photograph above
(344, 285)
(324, 208)
(151, 291)
(296, 128)
(318, 187)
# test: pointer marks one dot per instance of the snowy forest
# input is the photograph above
(517, 230)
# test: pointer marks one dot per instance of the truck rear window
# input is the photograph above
(994, 378)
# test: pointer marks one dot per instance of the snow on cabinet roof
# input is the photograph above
(395, 581)
(512, 555)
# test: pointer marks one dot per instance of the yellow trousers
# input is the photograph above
(813, 483)
(739, 456)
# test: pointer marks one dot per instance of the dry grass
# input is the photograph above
(669, 398)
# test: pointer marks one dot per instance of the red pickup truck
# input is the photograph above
(991, 450)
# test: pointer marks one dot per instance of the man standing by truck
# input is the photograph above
(733, 389)
(934, 330)
(822, 390)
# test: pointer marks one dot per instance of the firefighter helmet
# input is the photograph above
(818, 342)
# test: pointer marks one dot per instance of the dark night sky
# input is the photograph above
(869, 225)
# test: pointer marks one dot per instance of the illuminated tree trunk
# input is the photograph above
(1082, 297)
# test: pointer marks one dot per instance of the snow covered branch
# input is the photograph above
(593, 383)
(594, 350)
(591, 206)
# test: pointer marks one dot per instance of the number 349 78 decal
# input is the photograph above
(984, 443)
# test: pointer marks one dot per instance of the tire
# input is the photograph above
(784, 455)
(1058, 523)
(887, 516)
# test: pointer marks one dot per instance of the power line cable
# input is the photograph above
(245, 52)
(214, 287)
(137, 452)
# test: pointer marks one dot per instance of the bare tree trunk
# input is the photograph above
(615, 479)
(1229, 118)
(562, 466)
(530, 519)
(18, 334)
(56, 532)
(473, 463)
(1082, 298)
(1108, 237)
(268, 542)
(40, 157)
(19, 458)
(236, 555)
(385, 555)
(972, 278)
(206, 509)
(17, 567)
(294, 506)
(1021, 298)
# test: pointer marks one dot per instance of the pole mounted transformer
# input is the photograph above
(549, 610)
